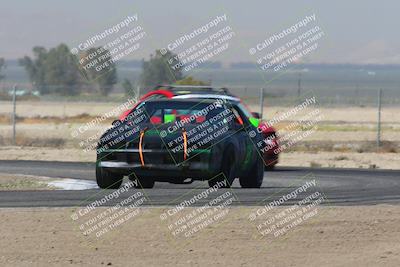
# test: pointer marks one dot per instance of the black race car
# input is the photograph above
(181, 140)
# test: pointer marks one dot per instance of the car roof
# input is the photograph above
(171, 100)
(207, 96)
(190, 89)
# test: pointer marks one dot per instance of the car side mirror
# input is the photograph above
(256, 115)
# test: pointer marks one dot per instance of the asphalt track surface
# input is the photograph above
(338, 186)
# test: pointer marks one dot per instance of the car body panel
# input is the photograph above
(270, 155)
(155, 159)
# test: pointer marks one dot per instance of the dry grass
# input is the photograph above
(7, 97)
(368, 160)
(49, 124)
(81, 118)
(315, 165)
(335, 146)
(314, 146)
(22, 140)
(341, 157)
(24, 182)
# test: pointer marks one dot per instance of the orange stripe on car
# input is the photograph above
(184, 134)
(140, 146)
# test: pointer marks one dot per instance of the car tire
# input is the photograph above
(255, 177)
(145, 182)
(107, 180)
(228, 170)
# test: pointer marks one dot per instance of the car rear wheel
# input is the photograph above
(254, 178)
(107, 180)
(228, 171)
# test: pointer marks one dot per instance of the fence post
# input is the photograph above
(14, 114)
(261, 102)
(299, 86)
(378, 136)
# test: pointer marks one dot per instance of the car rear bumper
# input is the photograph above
(158, 165)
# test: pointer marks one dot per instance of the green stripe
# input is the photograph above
(169, 118)
(255, 122)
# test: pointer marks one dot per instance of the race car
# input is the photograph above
(270, 147)
(179, 141)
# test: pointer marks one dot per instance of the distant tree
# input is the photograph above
(129, 89)
(53, 71)
(2, 66)
(160, 69)
(61, 71)
(99, 69)
(35, 68)
(189, 80)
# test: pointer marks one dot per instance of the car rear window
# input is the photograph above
(189, 112)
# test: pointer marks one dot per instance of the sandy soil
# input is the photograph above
(336, 236)
(340, 126)
(346, 114)
(320, 159)
(57, 108)
(65, 131)
(23, 182)
(341, 160)
(351, 124)
(47, 154)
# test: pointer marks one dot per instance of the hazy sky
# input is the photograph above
(356, 31)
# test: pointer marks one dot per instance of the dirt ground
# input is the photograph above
(341, 160)
(304, 159)
(23, 182)
(339, 125)
(65, 130)
(336, 236)
(47, 108)
(345, 137)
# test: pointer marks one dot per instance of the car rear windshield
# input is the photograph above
(190, 112)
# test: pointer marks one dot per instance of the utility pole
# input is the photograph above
(137, 93)
(299, 86)
(14, 114)
(261, 102)
(378, 136)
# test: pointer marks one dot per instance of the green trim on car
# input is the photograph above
(169, 118)
(254, 121)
